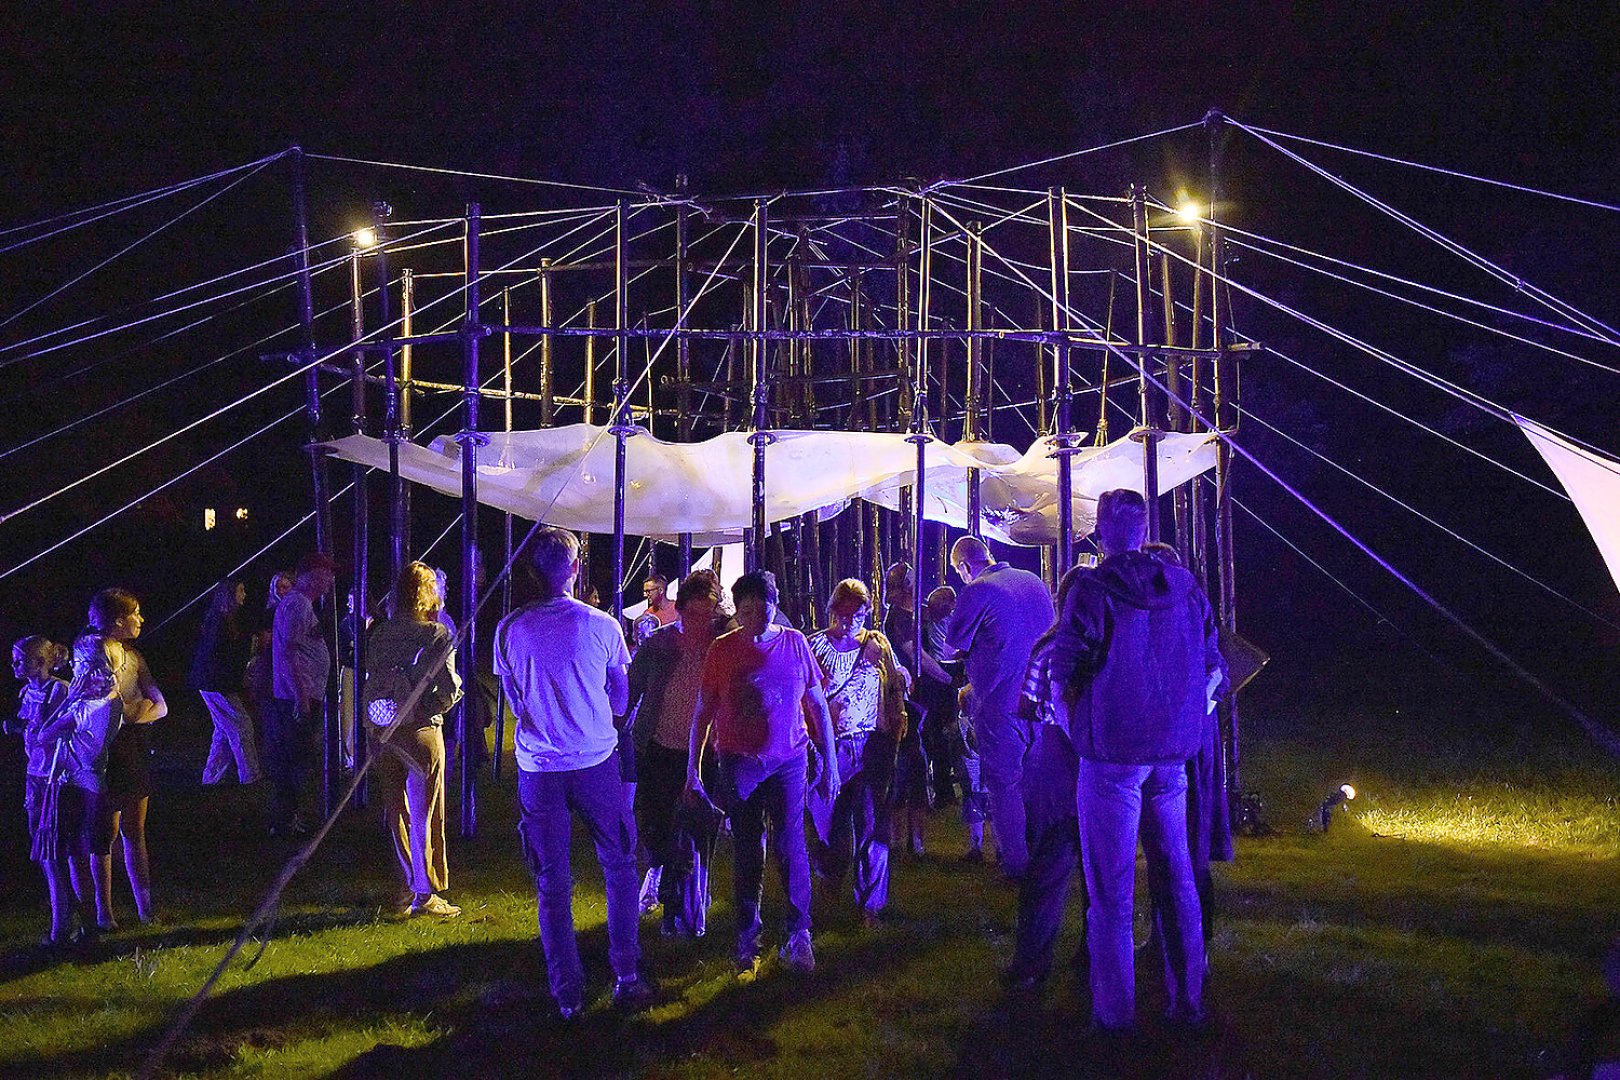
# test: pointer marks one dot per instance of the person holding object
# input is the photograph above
(999, 614)
(664, 675)
(406, 649)
(89, 723)
(563, 665)
(866, 695)
(760, 688)
(39, 705)
(1134, 655)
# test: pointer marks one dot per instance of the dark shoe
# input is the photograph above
(634, 993)
(798, 954)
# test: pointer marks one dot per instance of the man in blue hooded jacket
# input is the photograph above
(1136, 662)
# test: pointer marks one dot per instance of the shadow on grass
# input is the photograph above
(489, 1000)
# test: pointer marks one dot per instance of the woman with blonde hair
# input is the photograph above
(407, 651)
(866, 692)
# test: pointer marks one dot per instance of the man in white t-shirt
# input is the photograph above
(563, 665)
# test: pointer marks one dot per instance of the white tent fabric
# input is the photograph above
(564, 476)
(1592, 482)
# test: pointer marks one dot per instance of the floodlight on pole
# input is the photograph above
(364, 237)
(1190, 212)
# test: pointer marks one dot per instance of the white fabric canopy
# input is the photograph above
(564, 476)
(1592, 482)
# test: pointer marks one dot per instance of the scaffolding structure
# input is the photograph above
(920, 310)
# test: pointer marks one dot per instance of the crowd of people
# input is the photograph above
(1071, 727)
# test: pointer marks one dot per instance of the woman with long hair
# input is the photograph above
(219, 672)
(866, 692)
(126, 796)
(407, 651)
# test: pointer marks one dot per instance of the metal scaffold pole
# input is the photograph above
(618, 424)
(322, 495)
(470, 439)
(1149, 414)
(407, 313)
(683, 353)
(920, 435)
(974, 404)
(353, 732)
(1057, 204)
(759, 392)
(1225, 416)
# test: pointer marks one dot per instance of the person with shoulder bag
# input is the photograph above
(404, 652)
(867, 696)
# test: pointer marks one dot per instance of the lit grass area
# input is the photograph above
(1428, 933)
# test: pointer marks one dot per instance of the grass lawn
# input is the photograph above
(1452, 923)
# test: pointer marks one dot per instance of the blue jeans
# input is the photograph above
(751, 793)
(1054, 849)
(1003, 739)
(599, 797)
(290, 746)
(1114, 802)
(857, 824)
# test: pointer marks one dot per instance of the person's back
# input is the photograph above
(998, 616)
(563, 666)
(555, 654)
(300, 659)
(1135, 648)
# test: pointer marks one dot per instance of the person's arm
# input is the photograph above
(1216, 684)
(896, 686)
(821, 733)
(152, 706)
(618, 688)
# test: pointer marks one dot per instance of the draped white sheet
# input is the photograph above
(564, 476)
(1592, 482)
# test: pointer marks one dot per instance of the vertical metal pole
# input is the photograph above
(362, 517)
(621, 389)
(758, 389)
(590, 363)
(920, 436)
(470, 439)
(683, 353)
(1149, 414)
(322, 492)
(974, 403)
(407, 309)
(1176, 393)
(506, 545)
(1225, 416)
(548, 370)
(391, 418)
(1198, 560)
(1057, 206)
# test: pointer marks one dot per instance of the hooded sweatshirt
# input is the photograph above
(1135, 645)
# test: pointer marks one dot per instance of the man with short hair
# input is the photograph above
(1135, 659)
(660, 611)
(758, 682)
(300, 665)
(563, 666)
(1000, 612)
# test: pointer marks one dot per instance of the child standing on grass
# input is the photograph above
(89, 721)
(33, 659)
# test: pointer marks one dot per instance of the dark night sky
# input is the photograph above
(96, 106)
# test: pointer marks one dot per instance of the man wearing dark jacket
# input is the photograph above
(1137, 659)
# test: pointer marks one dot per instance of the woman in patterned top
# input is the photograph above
(867, 696)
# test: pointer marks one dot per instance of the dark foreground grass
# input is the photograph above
(1451, 924)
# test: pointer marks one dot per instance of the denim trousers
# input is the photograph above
(290, 747)
(855, 826)
(1003, 739)
(754, 794)
(602, 800)
(1054, 849)
(1114, 803)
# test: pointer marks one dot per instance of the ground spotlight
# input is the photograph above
(1324, 813)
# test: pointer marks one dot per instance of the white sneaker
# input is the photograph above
(435, 905)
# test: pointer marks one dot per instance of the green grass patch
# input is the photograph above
(1451, 923)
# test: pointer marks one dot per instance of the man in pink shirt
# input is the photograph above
(758, 682)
